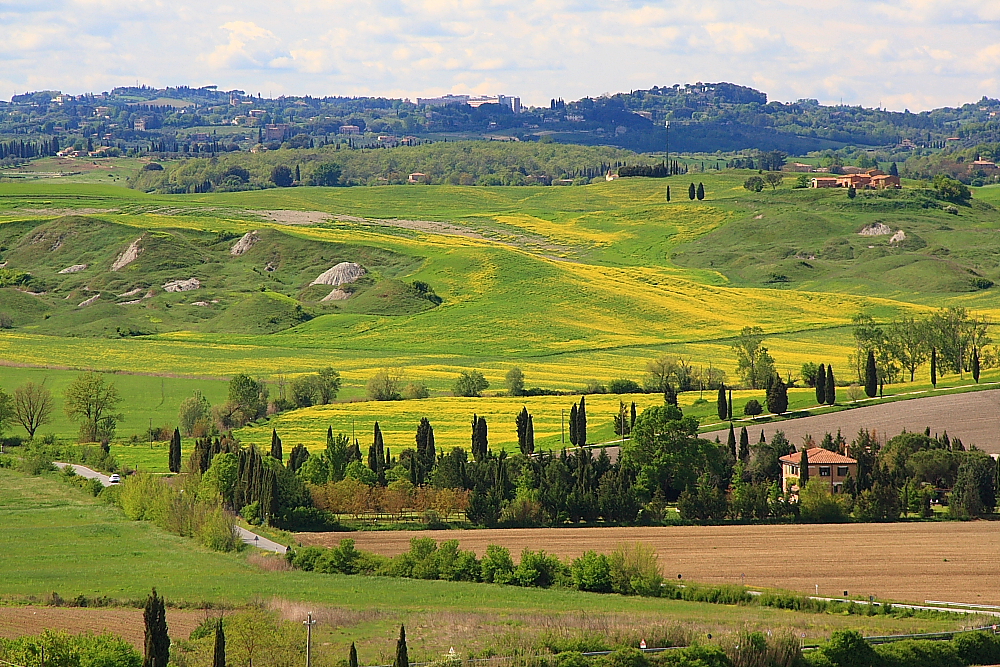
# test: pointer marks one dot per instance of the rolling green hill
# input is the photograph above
(569, 283)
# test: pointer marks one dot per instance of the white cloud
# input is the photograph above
(902, 53)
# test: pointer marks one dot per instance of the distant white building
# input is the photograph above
(512, 103)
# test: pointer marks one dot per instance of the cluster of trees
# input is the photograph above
(757, 183)
(951, 340)
(458, 163)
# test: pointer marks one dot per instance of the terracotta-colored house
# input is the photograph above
(823, 465)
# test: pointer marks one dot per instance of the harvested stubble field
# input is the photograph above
(909, 562)
(17, 621)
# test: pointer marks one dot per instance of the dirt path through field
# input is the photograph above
(913, 562)
(18, 621)
(973, 416)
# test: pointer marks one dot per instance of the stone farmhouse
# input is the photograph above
(873, 179)
(824, 465)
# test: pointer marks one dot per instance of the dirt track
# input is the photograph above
(17, 621)
(972, 416)
(953, 562)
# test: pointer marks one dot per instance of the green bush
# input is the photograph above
(694, 656)
(538, 568)
(919, 653)
(635, 570)
(628, 657)
(64, 650)
(592, 572)
(978, 648)
(847, 648)
(497, 567)
(217, 530)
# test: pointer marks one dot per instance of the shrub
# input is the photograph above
(635, 570)
(497, 566)
(217, 531)
(281, 176)
(818, 504)
(416, 390)
(754, 184)
(384, 386)
(919, 653)
(847, 648)
(326, 174)
(592, 572)
(624, 386)
(538, 568)
(84, 650)
(628, 657)
(35, 462)
(752, 408)
(978, 648)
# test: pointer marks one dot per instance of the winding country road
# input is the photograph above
(248, 537)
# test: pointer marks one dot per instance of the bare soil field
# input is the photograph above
(912, 562)
(18, 621)
(973, 416)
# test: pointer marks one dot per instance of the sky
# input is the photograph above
(897, 54)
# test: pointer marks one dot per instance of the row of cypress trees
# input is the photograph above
(578, 423)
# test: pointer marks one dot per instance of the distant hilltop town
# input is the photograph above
(513, 103)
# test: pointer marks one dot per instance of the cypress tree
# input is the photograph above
(378, 445)
(219, 657)
(522, 430)
(691, 192)
(744, 444)
(275, 445)
(157, 645)
(298, 177)
(821, 385)
(402, 658)
(175, 452)
(975, 365)
(722, 403)
(731, 441)
(803, 468)
(352, 656)
(426, 454)
(572, 425)
(631, 426)
(831, 386)
(871, 376)
(777, 396)
(531, 435)
(668, 193)
(934, 367)
(729, 406)
(701, 191)
(762, 440)
(581, 422)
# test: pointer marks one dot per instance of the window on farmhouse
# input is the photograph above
(824, 471)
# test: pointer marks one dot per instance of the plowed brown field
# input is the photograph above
(18, 621)
(954, 562)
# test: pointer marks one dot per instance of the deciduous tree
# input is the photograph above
(32, 406)
(92, 401)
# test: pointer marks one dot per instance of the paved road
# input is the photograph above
(252, 539)
(84, 471)
(973, 416)
(255, 540)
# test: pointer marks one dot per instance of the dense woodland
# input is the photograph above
(704, 118)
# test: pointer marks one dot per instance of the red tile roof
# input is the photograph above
(818, 455)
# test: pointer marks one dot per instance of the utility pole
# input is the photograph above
(309, 638)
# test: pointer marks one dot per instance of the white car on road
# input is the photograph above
(114, 479)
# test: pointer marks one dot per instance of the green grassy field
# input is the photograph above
(56, 539)
(569, 283)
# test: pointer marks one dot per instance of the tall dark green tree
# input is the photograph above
(831, 386)
(691, 192)
(352, 656)
(174, 460)
(668, 193)
(573, 440)
(975, 365)
(821, 385)
(934, 366)
(893, 169)
(744, 454)
(219, 656)
(632, 420)
(731, 442)
(402, 656)
(480, 438)
(157, 645)
(297, 457)
(581, 422)
(426, 454)
(803, 467)
(376, 456)
(871, 376)
(525, 435)
(777, 396)
(722, 405)
(729, 408)
(276, 445)
(701, 191)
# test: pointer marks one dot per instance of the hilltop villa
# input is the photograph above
(823, 465)
(873, 179)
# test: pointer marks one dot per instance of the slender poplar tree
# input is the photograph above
(275, 445)
(402, 657)
(175, 452)
(934, 367)
(803, 468)
(871, 376)
(831, 386)
(581, 422)
(744, 445)
(157, 645)
(722, 405)
(731, 441)
(352, 656)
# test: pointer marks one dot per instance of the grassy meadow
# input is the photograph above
(57, 539)
(569, 283)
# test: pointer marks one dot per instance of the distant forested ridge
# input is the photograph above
(704, 117)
